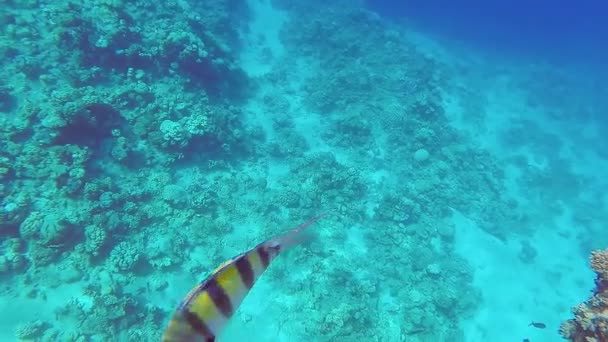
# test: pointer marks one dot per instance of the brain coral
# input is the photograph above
(44, 229)
(124, 256)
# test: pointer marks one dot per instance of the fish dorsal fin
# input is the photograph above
(198, 288)
(226, 263)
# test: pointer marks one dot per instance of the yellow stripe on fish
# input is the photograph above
(256, 263)
(180, 329)
(230, 280)
(207, 308)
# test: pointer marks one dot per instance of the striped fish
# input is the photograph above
(204, 312)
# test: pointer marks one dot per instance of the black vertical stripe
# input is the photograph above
(264, 256)
(198, 325)
(245, 270)
(219, 297)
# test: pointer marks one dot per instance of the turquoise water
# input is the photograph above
(142, 144)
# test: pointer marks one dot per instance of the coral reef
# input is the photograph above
(590, 322)
(30, 331)
(137, 154)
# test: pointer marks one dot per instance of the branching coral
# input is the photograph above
(590, 323)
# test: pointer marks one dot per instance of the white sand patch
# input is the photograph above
(262, 43)
(516, 293)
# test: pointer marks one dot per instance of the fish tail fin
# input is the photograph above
(295, 236)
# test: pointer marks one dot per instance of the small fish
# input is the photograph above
(526, 340)
(206, 309)
(538, 325)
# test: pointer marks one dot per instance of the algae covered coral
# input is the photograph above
(142, 144)
(590, 322)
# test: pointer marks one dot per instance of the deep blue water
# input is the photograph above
(559, 31)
